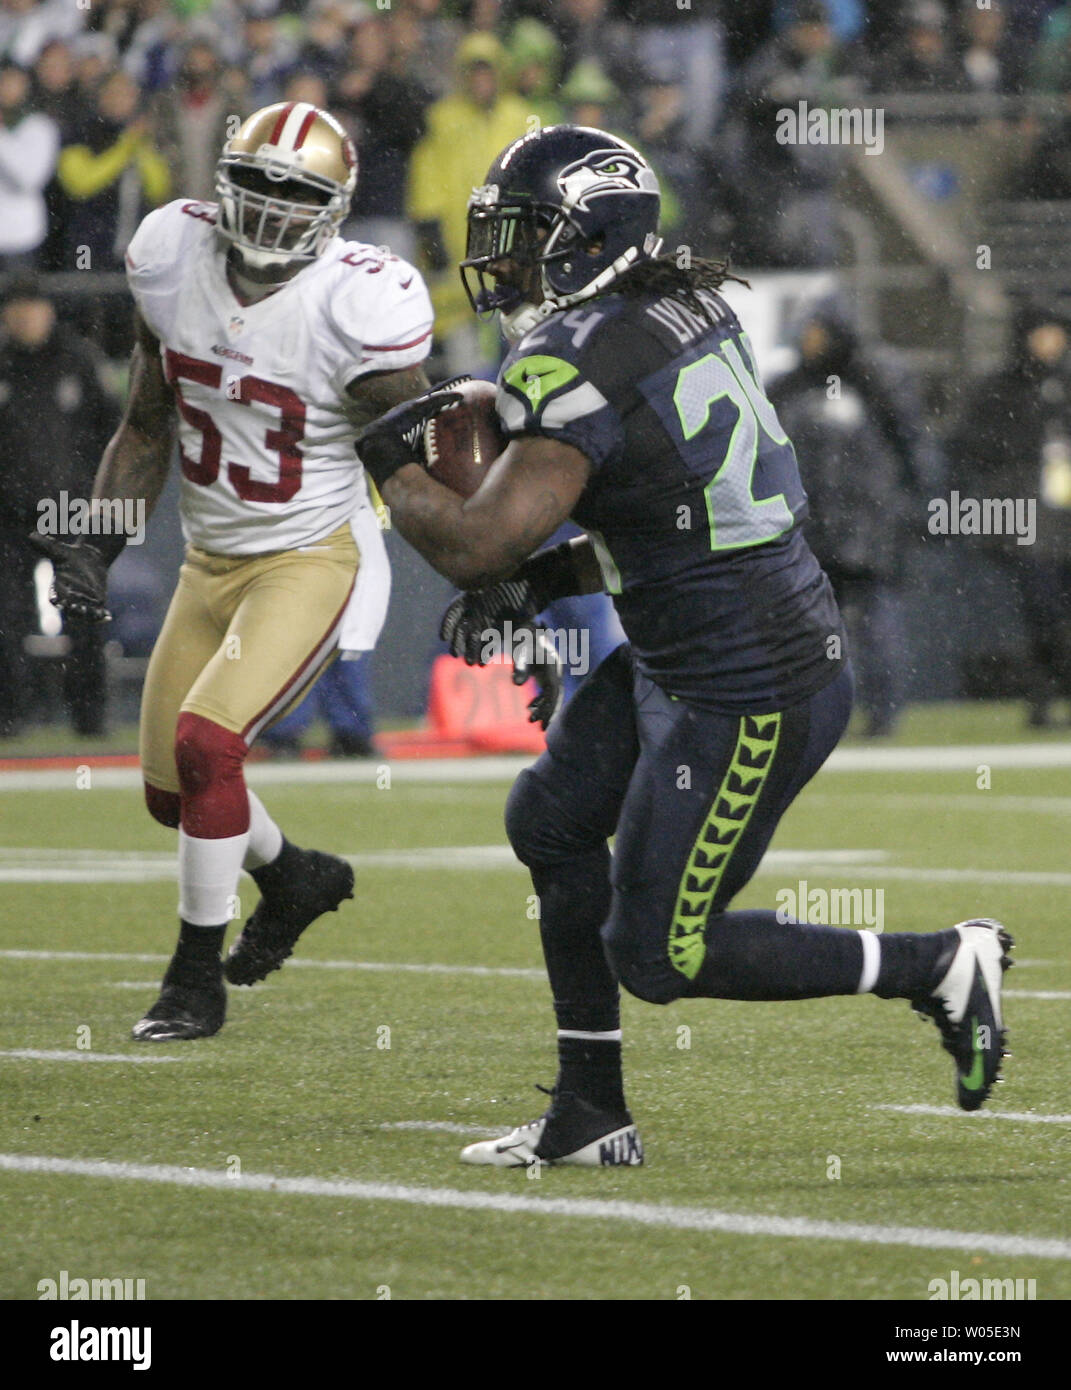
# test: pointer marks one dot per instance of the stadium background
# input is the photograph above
(974, 99)
(804, 1152)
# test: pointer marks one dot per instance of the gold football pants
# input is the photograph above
(244, 640)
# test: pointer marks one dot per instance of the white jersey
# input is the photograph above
(267, 452)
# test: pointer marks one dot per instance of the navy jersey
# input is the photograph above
(694, 501)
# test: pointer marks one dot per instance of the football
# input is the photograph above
(463, 442)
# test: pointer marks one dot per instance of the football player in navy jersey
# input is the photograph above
(633, 405)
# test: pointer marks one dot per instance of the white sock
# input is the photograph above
(208, 879)
(265, 837)
(871, 962)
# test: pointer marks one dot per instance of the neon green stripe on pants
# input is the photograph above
(753, 756)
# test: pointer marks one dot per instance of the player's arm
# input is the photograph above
(489, 539)
(562, 570)
(133, 467)
(527, 494)
(136, 459)
(370, 396)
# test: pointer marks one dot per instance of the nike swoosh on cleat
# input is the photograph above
(513, 1152)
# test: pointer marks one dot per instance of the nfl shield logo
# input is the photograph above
(235, 326)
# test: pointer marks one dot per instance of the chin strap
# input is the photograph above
(517, 322)
(524, 318)
(652, 246)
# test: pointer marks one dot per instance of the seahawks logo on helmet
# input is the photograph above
(602, 172)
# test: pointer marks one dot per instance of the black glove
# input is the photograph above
(472, 617)
(397, 438)
(539, 661)
(542, 578)
(80, 575)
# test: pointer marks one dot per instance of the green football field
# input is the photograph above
(310, 1150)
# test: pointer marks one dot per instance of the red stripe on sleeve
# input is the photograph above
(396, 347)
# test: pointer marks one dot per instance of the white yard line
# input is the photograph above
(385, 967)
(1027, 1117)
(84, 955)
(1026, 878)
(516, 972)
(959, 757)
(445, 1127)
(951, 801)
(964, 757)
(417, 770)
(34, 864)
(29, 1054)
(577, 1208)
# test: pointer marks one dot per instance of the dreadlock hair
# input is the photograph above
(662, 275)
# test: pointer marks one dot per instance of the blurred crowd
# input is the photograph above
(110, 109)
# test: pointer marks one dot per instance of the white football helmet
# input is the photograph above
(284, 184)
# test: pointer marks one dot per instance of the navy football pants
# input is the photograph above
(694, 798)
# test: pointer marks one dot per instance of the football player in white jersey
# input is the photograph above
(264, 343)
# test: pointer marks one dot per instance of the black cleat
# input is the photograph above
(572, 1131)
(317, 883)
(192, 1004)
(966, 1007)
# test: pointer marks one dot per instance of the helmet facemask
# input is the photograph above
(497, 234)
(530, 236)
(274, 214)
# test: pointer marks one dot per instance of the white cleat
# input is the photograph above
(520, 1149)
(572, 1131)
(966, 1006)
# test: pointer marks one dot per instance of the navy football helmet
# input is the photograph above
(579, 203)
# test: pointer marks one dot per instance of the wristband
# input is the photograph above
(551, 573)
(108, 547)
(382, 466)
